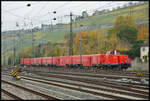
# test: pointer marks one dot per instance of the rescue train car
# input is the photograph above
(110, 60)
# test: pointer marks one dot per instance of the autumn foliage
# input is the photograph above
(94, 42)
(125, 28)
(143, 33)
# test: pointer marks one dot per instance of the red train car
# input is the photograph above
(65, 61)
(52, 61)
(76, 61)
(22, 62)
(86, 60)
(39, 61)
(33, 61)
(96, 59)
(48, 61)
(26, 61)
(44, 61)
(109, 60)
(55, 61)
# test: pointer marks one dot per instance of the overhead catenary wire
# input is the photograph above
(38, 13)
(59, 7)
(21, 17)
(62, 10)
(38, 19)
(60, 16)
(19, 8)
(104, 6)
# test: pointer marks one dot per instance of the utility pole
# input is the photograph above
(14, 52)
(32, 41)
(28, 5)
(51, 26)
(19, 35)
(130, 9)
(71, 38)
(81, 47)
(4, 54)
(14, 41)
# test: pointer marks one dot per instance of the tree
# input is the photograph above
(128, 33)
(143, 33)
(118, 7)
(125, 28)
(112, 42)
(84, 14)
(109, 32)
(57, 51)
(92, 43)
(26, 53)
(9, 60)
(135, 50)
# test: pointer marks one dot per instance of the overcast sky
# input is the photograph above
(37, 13)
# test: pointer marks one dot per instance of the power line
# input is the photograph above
(38, 19)
(19, 8)
(59, 7)
(21, 17)
(41, 9)
(60, 15)
(73, 7)
(104, 6)
(108, 4)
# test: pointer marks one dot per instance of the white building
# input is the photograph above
(144, 52)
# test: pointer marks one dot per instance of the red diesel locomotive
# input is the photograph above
(110, 60)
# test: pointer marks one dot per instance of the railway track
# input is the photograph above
(83, 75)
(84, 89)
(101, 89)
(106, 88)
(61, 76)
(109, 93)
(11, 95)
(32, 91)
(93, 70)
(94, 75)
(108, 84)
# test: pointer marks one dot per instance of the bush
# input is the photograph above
(128, 33)
(135, 49)
(145, 58)
(140, 60)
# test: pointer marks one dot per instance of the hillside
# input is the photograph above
(139, 12)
